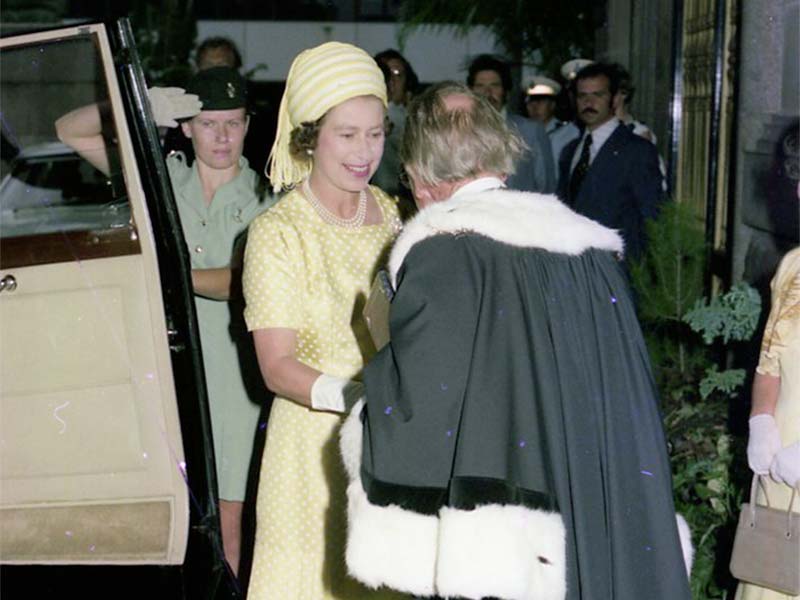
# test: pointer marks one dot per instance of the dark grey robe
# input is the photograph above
(516, 377)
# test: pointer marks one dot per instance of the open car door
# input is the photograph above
(106, 461)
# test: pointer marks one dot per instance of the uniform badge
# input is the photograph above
(231, 90)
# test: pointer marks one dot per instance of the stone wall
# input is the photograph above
(766, 192)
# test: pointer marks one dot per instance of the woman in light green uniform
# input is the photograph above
(217, 197)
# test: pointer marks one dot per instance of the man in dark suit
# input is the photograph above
(609, 174)
(536, 170)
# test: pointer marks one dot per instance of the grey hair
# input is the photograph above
(445, 145)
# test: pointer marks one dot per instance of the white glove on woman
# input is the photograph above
(335, 394)
(785, 467)
(763, 443)
(172, 103)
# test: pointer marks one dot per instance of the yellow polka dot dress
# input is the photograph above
(304, 274)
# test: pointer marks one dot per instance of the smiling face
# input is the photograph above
(218, 136)
(349, 146)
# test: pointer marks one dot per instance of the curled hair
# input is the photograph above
(446, 145)
(489, 62)
(304, 139)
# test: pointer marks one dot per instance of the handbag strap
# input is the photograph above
(759, 480)
(789, 513)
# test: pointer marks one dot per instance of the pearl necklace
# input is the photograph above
(357, 220)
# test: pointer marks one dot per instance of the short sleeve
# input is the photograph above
(272, 276)
(784, 311)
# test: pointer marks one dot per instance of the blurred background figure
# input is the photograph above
(570, 68)
(401, 83)
(541, 100)
(217, 52)
(622, 104)
(490, 77)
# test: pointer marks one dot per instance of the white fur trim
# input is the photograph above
(387, 545)
(493, 550)
(516, 218)
(350, 436)
(508, 552)
(685, 535)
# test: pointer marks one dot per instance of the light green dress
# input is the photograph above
(780, 357)
(304, 274)
(211, 232)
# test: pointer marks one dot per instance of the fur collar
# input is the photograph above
(516, 218)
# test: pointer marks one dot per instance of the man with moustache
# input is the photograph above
(536, 170)
(609, 174)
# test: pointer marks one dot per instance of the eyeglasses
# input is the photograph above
(404, 179)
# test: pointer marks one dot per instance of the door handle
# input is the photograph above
(8, 283)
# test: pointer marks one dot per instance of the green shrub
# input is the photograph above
(680, 327)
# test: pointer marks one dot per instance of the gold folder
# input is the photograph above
(376, 309)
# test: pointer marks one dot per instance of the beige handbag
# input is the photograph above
(766, 550)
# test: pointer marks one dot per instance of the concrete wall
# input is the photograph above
(766, 195)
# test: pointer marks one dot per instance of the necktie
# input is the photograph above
(581, 168)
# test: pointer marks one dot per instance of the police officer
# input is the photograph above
(540, 104)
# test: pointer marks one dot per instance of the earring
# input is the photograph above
(309, 151)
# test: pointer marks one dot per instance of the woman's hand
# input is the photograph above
(785, 467)
(335, 394)
(763, 443)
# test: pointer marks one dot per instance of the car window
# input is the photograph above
(47, 189)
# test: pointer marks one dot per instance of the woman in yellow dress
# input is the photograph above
(308, 266)
(773, 446)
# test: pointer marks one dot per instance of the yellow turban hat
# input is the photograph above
(319, 79)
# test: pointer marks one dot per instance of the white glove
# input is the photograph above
(785, 467)
(172, 103)
(763, 443)
(335, 394)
